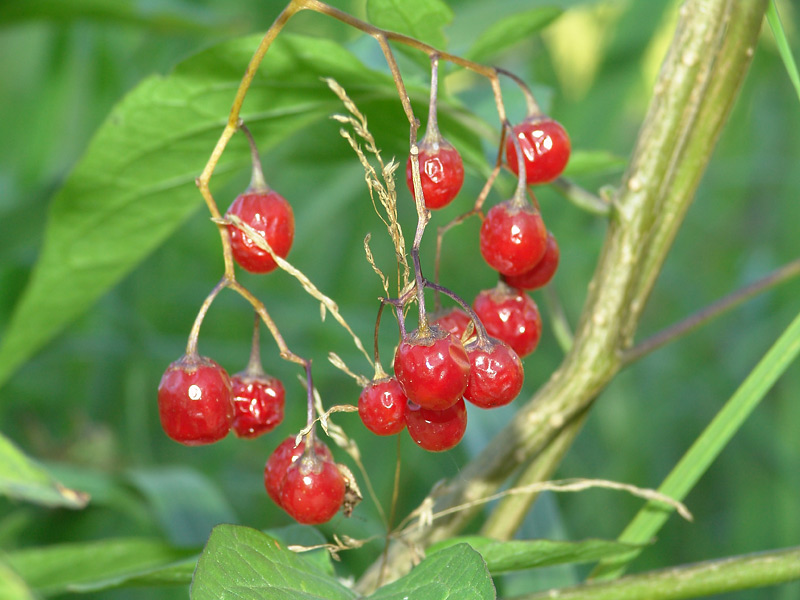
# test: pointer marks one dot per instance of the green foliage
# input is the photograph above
(420, 19)
(507, 32)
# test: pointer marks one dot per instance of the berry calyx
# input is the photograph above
(281, 459)
(258, 401)
(432, 367)
(454, 321)
(541, 274)
(545, 148)
(194, 401)
(437, 430)
(513, 237)
(441, 171)
(313, 490)
(271, 215)
(495, 374)
(511, 316)
(382, 406)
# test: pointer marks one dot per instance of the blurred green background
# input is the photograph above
(85, 405)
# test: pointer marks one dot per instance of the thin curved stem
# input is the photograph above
(194, 334)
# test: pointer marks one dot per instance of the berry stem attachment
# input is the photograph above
(480, 330)
(519, 198)
(379, 372)
(257, 181)
(312, 433)
(254, 364)
(432, 126)
(191, 345)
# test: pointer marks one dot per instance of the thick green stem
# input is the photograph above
(693, 95)
(689, 581)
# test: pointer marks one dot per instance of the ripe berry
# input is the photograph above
(382, 406)
(313, 490)
(541, 274)
(258, 401)
(437, 430)
(545, 147)
(441, 171)
(268, 213)
(281, 459)
(513, 238)
(495, 374)
(454, 321)
(433, 368)
(194, 401)
(511, 316)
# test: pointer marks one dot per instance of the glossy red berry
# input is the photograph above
(313, 490)
(432, 368)
(495, 374)
(194, 401)
(271, 215)
(545, 147)
(258, 401)
(454, 321)
(541, 274)
(382, 406)
(441, 171)
(511, 316)
(437, 430)
(281, 459)
(513, 238)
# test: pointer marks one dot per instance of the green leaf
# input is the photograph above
(305, 535)
(23, 479)
(707, 447)
(12, 587)
(242, 563)
(774, 20)
(587, 162)
(135, 184)
(185, 501)
(420, 19)
(511, 30)
(94, 565)
(502, 557)
(457, 573)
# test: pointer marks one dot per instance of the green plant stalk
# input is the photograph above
(689, 581)
(700, 78)
(708, 446)
(785, 50)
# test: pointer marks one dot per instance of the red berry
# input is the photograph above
(437, 430)
(545, 147)
(432, 368)
(281, 459)
(194, 401)
(495, 374)
(441, 172)
(541, 274)
(382, 406)
(513, 238)
(313, 490)
(258, 401)
(511, 316)
(455, 321)
(272, 216)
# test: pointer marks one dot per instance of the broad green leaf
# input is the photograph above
(12, 587)
(93, 565)
(457, 573)
(135, 184)
(707, 447)
(307, 536)
(186, 502)
(420, 19)
(511, 30)
(23, 479)
(785, 50)
(516, 555)
(585, 162)
(242, 563)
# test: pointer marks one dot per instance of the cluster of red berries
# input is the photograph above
(435, 367)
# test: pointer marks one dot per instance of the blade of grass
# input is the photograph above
(707, 447)
(774, 20)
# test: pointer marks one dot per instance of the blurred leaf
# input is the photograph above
(785, 50)
(516, 555)
(245, 563)
(420, 19)
(305, 535)
(585, 162)
(187, 504)
(93, 565)
(457, 573)
(135, 184)
(707, 447)
(12, 587)
(23, 479)
(510, 31)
